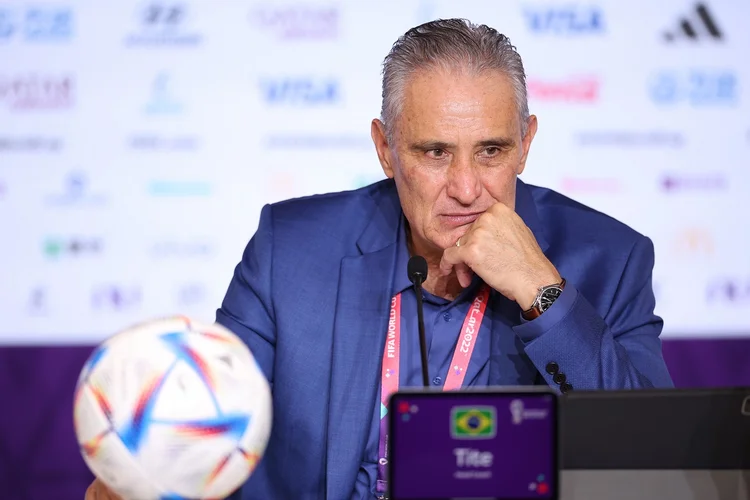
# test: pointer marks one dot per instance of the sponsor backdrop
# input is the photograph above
(139, 141)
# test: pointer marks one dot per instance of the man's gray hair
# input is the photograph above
(449, 44)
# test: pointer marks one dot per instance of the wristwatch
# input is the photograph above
(545, 297)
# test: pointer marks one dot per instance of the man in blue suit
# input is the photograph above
(312, 293)
(565, 291)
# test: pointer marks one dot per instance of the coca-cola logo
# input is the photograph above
(579, 89)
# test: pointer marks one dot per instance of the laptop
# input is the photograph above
(656, 444)
(513, 443)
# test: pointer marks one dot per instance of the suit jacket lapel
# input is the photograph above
(365, 288)
(526, 209)
(364, 293)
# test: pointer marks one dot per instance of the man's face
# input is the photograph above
(457, 149)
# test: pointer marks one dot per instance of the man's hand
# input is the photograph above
(97, 491)
(502, 250)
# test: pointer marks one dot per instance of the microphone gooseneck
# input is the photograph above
(417, 271)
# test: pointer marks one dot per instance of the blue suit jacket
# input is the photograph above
(311, 294)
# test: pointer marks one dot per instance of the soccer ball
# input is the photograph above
(172, 408)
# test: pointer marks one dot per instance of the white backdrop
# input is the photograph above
(139, 140)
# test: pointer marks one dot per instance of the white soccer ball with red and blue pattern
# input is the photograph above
(172, 409)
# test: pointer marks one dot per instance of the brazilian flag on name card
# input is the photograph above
(473, 422)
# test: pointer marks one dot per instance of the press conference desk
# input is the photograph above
(649, 445)
(655, 485)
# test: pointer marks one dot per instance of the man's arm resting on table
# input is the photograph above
(620, 351)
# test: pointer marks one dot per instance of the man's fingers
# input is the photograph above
(97, 491)
(464, 274)
(91, 492)
(453, 261)
(450, 259)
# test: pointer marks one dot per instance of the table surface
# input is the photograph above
(655, 485)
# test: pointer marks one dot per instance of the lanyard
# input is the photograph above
(391, 368)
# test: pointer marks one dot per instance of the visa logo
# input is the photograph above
(565, 21)
(300, 91)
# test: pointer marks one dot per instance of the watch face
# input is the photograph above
(548, 297)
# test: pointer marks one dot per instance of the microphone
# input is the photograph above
(417, 270)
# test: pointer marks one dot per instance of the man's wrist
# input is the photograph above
(528, 297)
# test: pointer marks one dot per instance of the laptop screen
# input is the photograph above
(472, 445)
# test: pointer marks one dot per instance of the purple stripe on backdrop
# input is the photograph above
(39, 458)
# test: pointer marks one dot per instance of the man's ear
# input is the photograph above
(526, 142)
(380, 139)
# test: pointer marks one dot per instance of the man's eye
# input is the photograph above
(436, 153)
(492, 151)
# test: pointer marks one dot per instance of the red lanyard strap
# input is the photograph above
(392, 357)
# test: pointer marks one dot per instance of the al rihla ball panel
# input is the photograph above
(179, 406)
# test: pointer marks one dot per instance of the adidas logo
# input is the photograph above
(701, 26)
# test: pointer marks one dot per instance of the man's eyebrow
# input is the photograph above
(430, 145)
(499, 142)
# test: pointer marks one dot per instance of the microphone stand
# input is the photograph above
(422, 340)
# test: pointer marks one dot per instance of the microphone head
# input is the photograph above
(417, 269)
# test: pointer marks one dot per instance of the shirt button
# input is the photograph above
(437, 380)
(447, 316)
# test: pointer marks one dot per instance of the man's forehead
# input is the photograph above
(437, 100)
(448, 77)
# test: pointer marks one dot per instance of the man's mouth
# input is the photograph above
(459, 218)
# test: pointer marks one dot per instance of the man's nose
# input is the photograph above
(464, 184)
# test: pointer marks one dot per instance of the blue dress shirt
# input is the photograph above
(443, 320)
